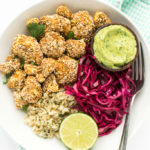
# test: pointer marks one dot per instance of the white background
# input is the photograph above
(8, 10)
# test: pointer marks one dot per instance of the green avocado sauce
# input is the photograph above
(115, 46)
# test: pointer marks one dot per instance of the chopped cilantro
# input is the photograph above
(32, 63)
(36, 29)
(22, 63)
(41, 100)
(70, 35)
(7, 76)
(16, 57)
(24, 108)
(61, 115)
(22, 98)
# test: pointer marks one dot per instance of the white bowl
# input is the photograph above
(12, 120)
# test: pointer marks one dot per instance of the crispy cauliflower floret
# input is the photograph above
(11, 64)
(31, 69)
(19, 101)
(16, 81)
(48, 66)
(40, 78)
(64, 11)
(75, 48)
(28, 48)
(50, 85)
(11, 57)
(56, 23)
(32, 91)
(66, 70)
(82, 25)
(32, 20)
(53, 44)
(100, 19)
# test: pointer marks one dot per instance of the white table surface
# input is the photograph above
(9, 9)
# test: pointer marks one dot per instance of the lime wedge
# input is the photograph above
(78, 131)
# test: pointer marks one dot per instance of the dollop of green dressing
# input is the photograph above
(115, 46)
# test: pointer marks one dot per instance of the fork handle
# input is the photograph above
(124, 137)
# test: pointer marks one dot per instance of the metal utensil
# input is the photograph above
(138, 78)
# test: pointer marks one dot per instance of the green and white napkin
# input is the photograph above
(138, 11)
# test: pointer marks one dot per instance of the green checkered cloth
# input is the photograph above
(138, 11)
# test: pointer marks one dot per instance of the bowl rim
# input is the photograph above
(37, 3)
(123, 67)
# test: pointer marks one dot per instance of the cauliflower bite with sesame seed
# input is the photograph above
(100, 19)
(50, 85)
(63, 10)
(28, 48)
(11, 64)
(75, 48)
(56, 23)
(48, 66)
(32, 20)
(19, 101)
(53, 44)
(32, 91)
(40, 78)
(82, 25)
(32, 69)
(66, 70)
(16, 81)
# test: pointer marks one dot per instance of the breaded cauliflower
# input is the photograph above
(53, 44)
(64, 11)
(100, 19)
(19, 101)
(75, 48)
(32, 69)
(28, 48)
(11, 64)
(56, 23)
(40, 78)
(66, 70)
(48, 66)
(16, 81)
(32, 20)
(50, 85)
(82, 25)
(32, 91)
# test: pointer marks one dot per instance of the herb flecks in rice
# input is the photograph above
(45, 117)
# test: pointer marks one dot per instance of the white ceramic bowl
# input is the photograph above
(12, 120)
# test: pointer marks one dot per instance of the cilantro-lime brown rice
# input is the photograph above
(46, 116)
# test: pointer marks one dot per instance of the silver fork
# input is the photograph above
(138, 78)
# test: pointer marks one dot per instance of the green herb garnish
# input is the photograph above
(22, 98)
(61, 115)
(41, 100)
(36, 29)
(33, 63)
(22, 63)
(7, 76)
(24, 108)
(70, 35)
(16, 57)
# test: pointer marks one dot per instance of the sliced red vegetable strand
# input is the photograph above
(102, 94)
